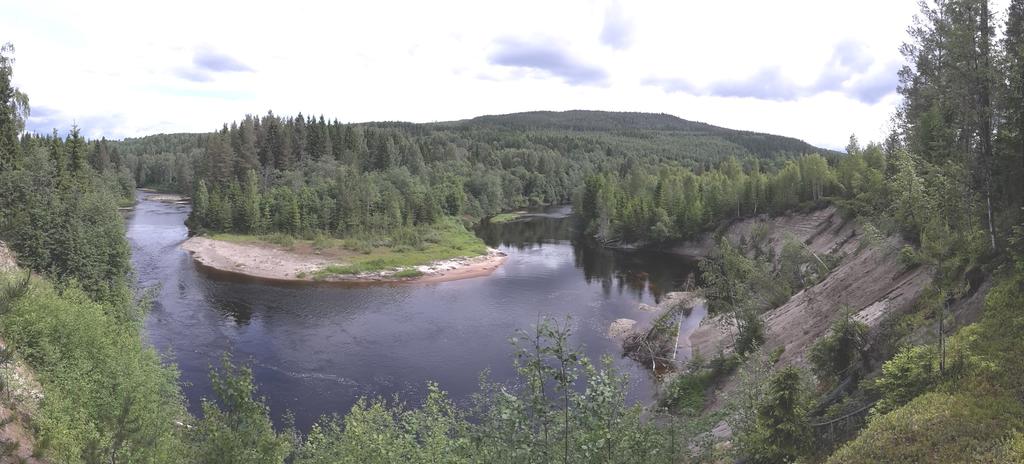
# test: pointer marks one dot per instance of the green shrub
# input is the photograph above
(937, 427)
(280, 239)
(100, 379)
(408, 273)
(357, 245)
(909, 373)
(686, 393)
(908, 257)
(407, 237)
(236, 428)
(321, 241)
(839, 354)
(750, 334)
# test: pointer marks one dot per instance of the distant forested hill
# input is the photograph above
(304, 175)
(644, 133)
(642, 125)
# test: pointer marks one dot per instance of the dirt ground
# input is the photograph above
(18, 404)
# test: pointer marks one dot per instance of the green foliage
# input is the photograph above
(841, 353)
(966, 414)
(445, 239)
(66, 228)
(782, 432)
(750, 333)
(668, 203)
(13, 110)
(504, 217)
(280, 239)
(686, 393)
(107, 393)
(742, 403)
(908, 257)
(236, 427)
(996, 337)
(560, 409)
(909, 373)
(937, 427)
(730, 278)
(12, 289)
(376, 432)
(408, 273)
(348, 180)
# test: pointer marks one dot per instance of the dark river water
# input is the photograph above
(315, 349)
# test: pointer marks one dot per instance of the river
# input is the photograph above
(315, 349)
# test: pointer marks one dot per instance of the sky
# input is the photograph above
(816, 70)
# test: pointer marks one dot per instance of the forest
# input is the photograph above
(303, 175)
(947, 180)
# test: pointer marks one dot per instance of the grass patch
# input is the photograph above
(237, 238)
(445, 239)
(506, 217)
(408, 273)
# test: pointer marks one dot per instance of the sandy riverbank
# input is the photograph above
(268, 262)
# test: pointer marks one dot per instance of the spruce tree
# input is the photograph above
(76, 150)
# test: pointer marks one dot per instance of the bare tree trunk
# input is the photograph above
(991, 227)
(985, 104)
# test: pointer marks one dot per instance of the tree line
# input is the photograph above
(663, 204)
(304, 175)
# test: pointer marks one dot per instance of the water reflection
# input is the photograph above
(634, 272)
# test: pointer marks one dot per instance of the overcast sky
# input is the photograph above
(816, 70)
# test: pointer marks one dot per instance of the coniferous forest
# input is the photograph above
(303, 175)
(946, 182)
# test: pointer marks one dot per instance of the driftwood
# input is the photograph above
(656, 346)
(651, 348)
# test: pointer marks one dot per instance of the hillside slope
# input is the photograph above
(869, 280)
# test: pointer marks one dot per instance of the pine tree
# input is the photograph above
(76, 150)
(294, 217)
(947, 89)
(299, 138)
(248, 157)
(323, 148)
(13, 110)
(250, 210)
(271, 150)
(1009, 165)
(57, 155)
(782, 419)
(356, 153)
(100, 159)
(201, 207)
(219, 156)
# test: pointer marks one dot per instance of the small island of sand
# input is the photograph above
(302, 263)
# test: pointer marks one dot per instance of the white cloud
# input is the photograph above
(133, 68)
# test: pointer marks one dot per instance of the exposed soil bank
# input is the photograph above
(821, 230)
(267, 262)
(22, 395)
(869, 280)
